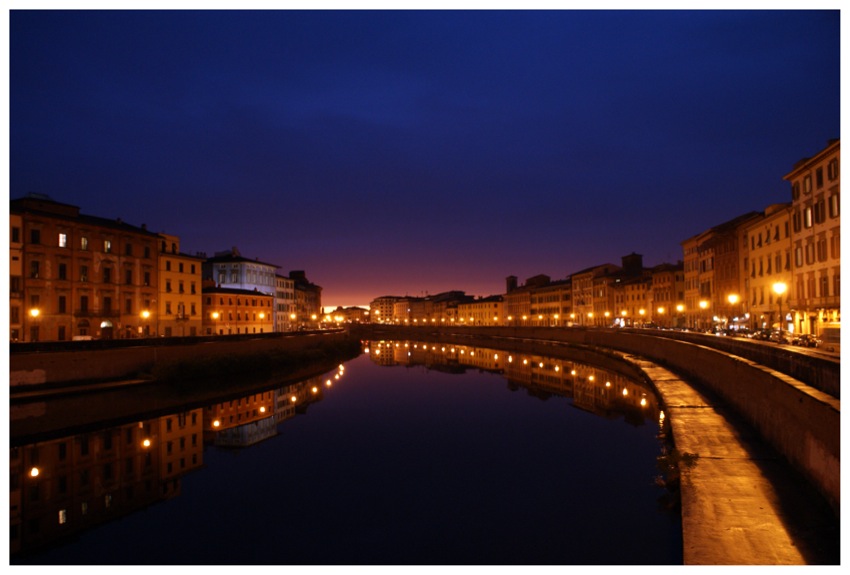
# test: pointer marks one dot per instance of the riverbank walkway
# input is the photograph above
(739, 504)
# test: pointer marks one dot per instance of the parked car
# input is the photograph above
(805, 340)
(777, 336)
(761, 335)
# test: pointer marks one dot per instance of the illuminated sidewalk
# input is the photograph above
(741, 504)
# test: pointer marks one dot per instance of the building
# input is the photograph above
(482, 311)
(381, 309)
(346, 315)
(712, 270)
(231, 311)
(177, 309)
(81, 276)
(16, 278)
(308, 301)
(229, 269)
(814, 301)
(767, 263)
(590, 294)
(668, 294)
(284, 304)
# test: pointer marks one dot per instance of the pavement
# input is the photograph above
(742, 503)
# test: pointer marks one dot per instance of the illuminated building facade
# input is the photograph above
(229, 311)
(177, 311)
(81, 276)
(482, 311)
(668, 294)
(284, 304)
(767, 262)
(815, 290)
(712, 269)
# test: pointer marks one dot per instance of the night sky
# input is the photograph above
(414, 152)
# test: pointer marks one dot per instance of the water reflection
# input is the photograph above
(604, 392)
(430, 492)
(62, 487)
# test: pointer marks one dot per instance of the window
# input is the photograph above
(807, 217)
(147, 251)
(821, 249)
(807, 185)
(168, 286)
(819, 178)
(168, 308)
(63, 271)
(84, 243)
(128, 277)
(128, 306)
(107, 246)
(798, 256)
(84, 273)
(107, 275)
(832, 170)
(834, 206)
(63, 240)
(167, 265)
(147, 281)
(128, 249)
(810, 253)
(34, 269)
(795, 191)
(180, 267)
(16, 235)
(820, 210)
(798, 221)
(62, 304)
(84, 303)
(35, 236)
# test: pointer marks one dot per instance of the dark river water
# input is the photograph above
(410, 454)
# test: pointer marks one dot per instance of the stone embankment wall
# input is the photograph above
(58, 367)
(799, 421)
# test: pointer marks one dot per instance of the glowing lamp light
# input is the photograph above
(146, 443)
(216, 423)
(293, 399)
(34, 472)
(625, 392)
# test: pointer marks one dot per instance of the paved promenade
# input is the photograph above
(742, 504)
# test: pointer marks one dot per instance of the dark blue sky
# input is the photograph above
(416, 151)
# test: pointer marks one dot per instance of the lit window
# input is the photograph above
(63, 516)
(63, 240)
(84, 243)
(107, 246)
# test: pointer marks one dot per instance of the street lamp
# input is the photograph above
(146, 314)
(679, 308)
(215, 315)
(733, 300)
(703, 305)
(34, 313)
(779, 288)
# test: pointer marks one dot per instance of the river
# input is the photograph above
(414, 453)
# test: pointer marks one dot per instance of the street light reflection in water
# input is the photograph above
(414, 453)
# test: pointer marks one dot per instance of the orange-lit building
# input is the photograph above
(482, 311)
(81, 276)
(767, 262)
(814, 292)
(229, 311)
(178, 308)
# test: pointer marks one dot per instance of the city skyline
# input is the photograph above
(399, 153)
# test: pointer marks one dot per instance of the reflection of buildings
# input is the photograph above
(603, 392)
(64, 486)
(248, 420)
